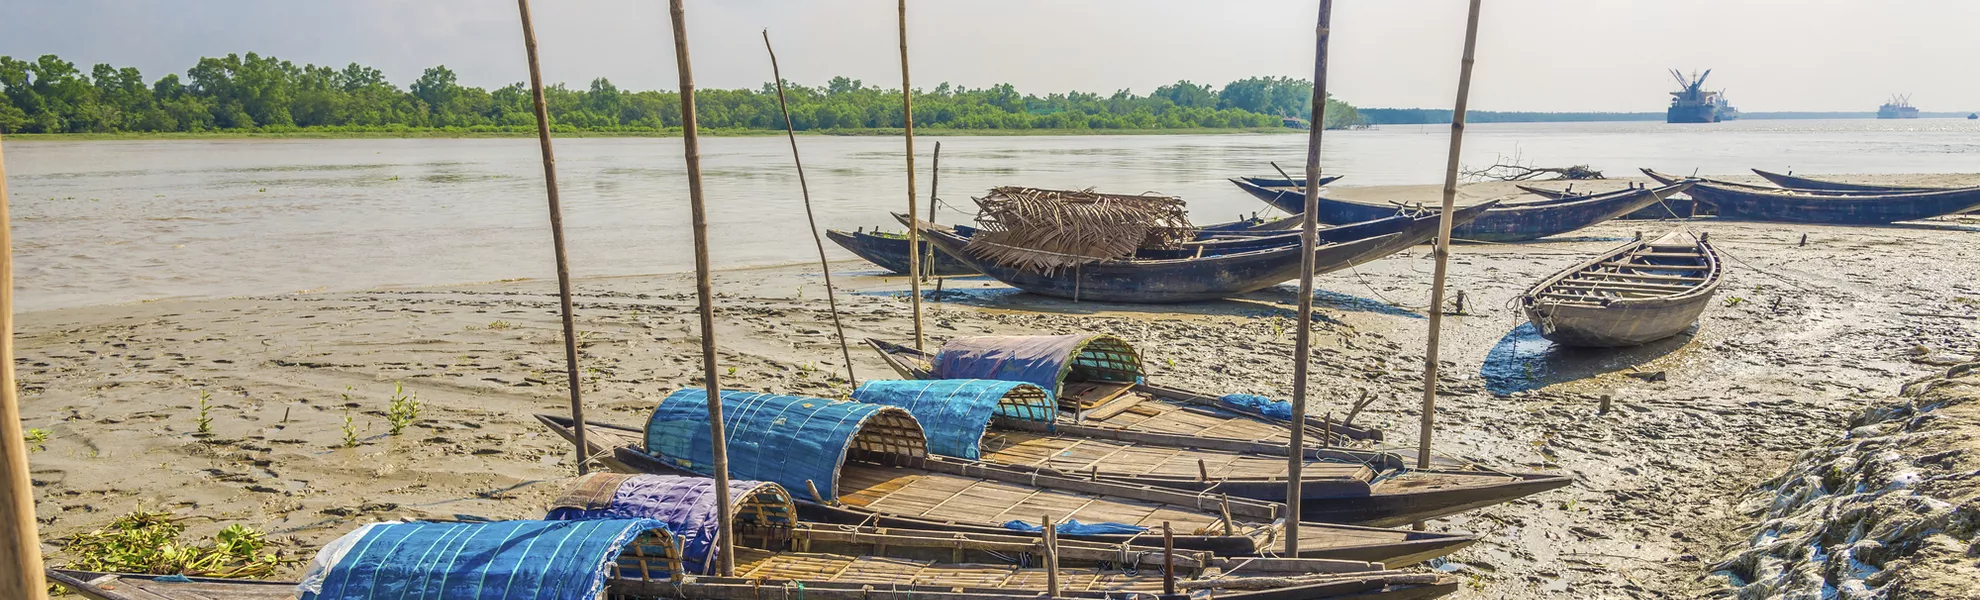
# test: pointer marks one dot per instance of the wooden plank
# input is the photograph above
(1110, 409)
(1624, 265)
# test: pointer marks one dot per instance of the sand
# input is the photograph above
(1802, 338)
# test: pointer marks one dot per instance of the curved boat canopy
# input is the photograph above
(685, 504)
(519, 560)
(797, 442)
(1045, 361)
(955, 412)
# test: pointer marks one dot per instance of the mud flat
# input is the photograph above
(1802, 339)
(1888, 510)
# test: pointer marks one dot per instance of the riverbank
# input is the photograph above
(299, 385)
(667, 133)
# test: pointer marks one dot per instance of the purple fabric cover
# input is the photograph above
(685, 504)
(1035, 359)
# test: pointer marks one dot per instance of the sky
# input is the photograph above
(1537, 55)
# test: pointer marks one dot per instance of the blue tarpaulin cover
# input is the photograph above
(685, 504)
(1277, 409)
(1040, 360)
(1074, 527)
(954, 412)
(788, 440)
(510, 560)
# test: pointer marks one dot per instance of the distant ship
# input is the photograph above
(1898, 108)
(1694, 104)
(1972, 116)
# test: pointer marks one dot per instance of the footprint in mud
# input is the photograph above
(1523, 361)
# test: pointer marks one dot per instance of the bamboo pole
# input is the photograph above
(914, 214)
(1051, 557)
(1444, 240)
(691, 136)
(1168, 560)
(1308, 238)
(556, 239)
(934, 184)
(824, 266)
(20, 544)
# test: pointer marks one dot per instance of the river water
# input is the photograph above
(99, 222)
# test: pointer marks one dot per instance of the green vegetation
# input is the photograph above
(404, 409)
(148, 542)
(265, 95)
(37, 439)
(205, 413)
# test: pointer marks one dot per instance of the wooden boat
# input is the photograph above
(1019, 425)
(1818, 185)
(1513, 221)
(1669, 208)
(890, 251)
(774, 550)
(1639, 292)
(1287, 194)
(1209, 269)
(869, 465)
(1755, 203)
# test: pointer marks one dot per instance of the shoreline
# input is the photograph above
(672, 133)
(1816, 335)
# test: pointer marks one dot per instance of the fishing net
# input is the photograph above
(1051, 230)
(686, 504)
(955, 412)
(797, 442)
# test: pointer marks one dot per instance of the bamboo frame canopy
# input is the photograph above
(794, 441)
(1051, 230)
(954, 413)
(685, 504)
(1046, 361)
(516, 560)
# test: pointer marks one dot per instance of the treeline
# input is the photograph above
(1421, 116)
(266, 94)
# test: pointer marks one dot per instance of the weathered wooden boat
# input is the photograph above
(1639, 292)
(868, 464)
(1285, 194)
(650, 537)
(1514, 221)
(1669, 208)
(1218, 267)
(1755, 203)
(1819, 185)
(1018, 424)
(890, 251)
(1163, 280)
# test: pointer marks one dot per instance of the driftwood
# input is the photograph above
(1051, 230)
(1512, 168)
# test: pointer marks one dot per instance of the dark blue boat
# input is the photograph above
(1280, 192)
(1511, 221)
(889, 250)
(1820, 185)
(1670, 208)
(1189, 275)
(1752, 203)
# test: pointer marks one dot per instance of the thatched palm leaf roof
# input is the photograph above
(1050, 230)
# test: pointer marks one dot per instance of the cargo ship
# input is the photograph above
(1898, 108)
(1692, 103)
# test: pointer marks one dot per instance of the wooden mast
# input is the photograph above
(690, 134)
(824, 266)
(914, 214)
(20, 545)
(556, 238)
(1444, 241)
(1308, 239)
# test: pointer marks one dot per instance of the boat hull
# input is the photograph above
(1804, 183)
(1670, 208)
(1577, 314)
(1322, 501)
(891, 253)
(1507, 222)
(1855, 209)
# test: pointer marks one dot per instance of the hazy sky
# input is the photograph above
(1550, 55)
